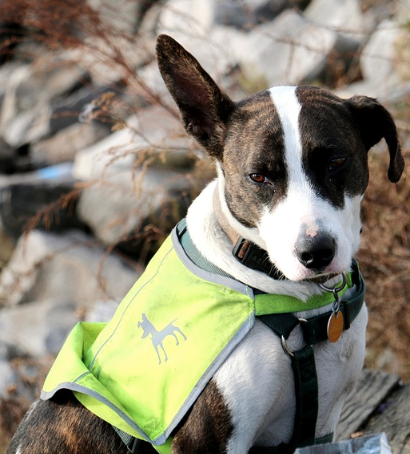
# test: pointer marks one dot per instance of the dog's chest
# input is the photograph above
(258, 380)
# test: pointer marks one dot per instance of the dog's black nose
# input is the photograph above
(315, 253)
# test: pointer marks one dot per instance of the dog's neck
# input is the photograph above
(226, 227)
(247, 253)
(214, 244)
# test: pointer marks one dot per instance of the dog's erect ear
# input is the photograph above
(375, 123)
(204, 108)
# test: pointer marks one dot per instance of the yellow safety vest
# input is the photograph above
(143, 370)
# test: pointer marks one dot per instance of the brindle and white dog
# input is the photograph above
(292, 171)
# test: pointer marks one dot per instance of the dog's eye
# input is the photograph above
(337, 163)
(258, 178)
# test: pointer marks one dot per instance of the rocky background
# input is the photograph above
(95, 168)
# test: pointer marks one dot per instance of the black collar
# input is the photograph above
(252, 256)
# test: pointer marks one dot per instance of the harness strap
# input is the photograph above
(307, 397)
(306, 386)
(134, 445)
(281, 324)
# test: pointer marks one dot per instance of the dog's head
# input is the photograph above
(292, 162)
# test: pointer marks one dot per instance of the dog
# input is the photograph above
(291, 173)
(158, 336)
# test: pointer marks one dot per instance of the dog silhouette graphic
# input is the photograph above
(158, 336)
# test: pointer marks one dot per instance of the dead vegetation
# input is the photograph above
(385, 259)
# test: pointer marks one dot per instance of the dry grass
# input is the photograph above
(385, 261)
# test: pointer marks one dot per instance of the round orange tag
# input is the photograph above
(335, 326)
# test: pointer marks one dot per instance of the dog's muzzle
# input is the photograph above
(315, 253)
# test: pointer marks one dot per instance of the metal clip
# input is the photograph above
(285, 345)
(336, 291)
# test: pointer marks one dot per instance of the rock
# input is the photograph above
(6, 377)
(270, 9)
(21, 202)
(39, 328)
(47, 79)
(28, 126)
(65, 144)
(70, 268)
(161, 134)
(191, 27)
(238, 14)
(154, 132)
(122, 200)
(246, 14)
(20, 384)
(9, 108)
(378, 63)
(100, 311)
(112, 58)
(179, 16)
(10, 350)
(151, 78)
(343, 16)
(6, 71)
(341, 60)
(377, 59)
(286, 51)
(123, 16)
(120, 204)
(110, 155)
(8, 158)
(68, 110)
(25, 111)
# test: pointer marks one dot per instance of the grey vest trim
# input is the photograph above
(194, 261)
(83, 390)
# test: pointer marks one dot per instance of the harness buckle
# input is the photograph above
(255, 258)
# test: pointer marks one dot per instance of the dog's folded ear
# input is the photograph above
(375, 123)
(204, 108)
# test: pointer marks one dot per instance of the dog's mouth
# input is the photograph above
(319, 277)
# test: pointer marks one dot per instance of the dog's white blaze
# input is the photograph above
(279, 228)
(288, 109)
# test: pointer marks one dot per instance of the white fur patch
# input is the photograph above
(279, 229)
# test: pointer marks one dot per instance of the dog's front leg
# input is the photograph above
(208, 427)
(250, 401)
